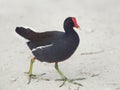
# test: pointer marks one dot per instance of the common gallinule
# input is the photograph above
(52, 46)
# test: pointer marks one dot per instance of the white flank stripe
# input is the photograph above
(41, 47)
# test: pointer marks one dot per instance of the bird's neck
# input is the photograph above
(68, 29)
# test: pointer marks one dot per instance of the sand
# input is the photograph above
(97, 58)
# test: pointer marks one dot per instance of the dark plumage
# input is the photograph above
(52, 46)
(59, 45)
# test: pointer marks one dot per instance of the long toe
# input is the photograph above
(38, 77)
(76, 79)
(70, 81)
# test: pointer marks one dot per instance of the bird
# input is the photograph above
(52, 46)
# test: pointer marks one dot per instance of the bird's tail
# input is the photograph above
(25, 32)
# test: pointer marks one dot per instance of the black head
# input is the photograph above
(69, 23)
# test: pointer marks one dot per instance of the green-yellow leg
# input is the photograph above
(32, 75)
(64, 78)
(30, 70)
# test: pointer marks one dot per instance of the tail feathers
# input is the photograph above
(25, 32)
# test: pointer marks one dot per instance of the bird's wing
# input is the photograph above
(45, 37)
(39, 38)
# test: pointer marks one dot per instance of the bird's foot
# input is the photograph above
(39, 77)
(32, 76)
(70, 81)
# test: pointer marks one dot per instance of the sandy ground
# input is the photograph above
(97, 58)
